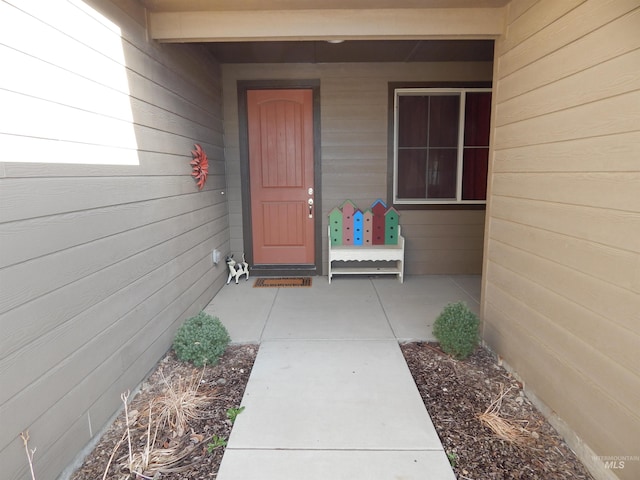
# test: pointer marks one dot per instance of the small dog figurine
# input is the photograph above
(236, 270)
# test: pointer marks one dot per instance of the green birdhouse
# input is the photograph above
(391, 222)
(335, 225)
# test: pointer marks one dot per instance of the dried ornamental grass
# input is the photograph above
(503, 428)
(180, 403)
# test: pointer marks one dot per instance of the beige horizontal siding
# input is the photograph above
(604, 42)
(52, 394)
(22, 240)
(614, 77)
(611, 190)
(149, 163)
(443, 241)
(22, 323)
(578, 22)
(609, 153)
(582, 121)
(106, 239)
(516, 9)
(603, 371)
(615, 266)
(619, 306)
(615, 425)
(561, 285)
(537, 17)
(354, 124)
(588, 326)
(616, 229)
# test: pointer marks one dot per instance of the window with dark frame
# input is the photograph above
(441, 145)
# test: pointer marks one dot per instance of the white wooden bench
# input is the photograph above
(373, 236)
(373, 253)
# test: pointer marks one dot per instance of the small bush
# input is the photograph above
(456, 328)
(201, 340)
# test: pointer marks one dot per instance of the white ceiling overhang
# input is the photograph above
(295, 20)
(340, 24)
(297, 31)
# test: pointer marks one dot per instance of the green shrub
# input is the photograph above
(201, 340)
(456, 328)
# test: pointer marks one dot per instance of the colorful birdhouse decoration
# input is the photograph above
(348, 209)
(377, 225)
(335, 225)
(367, 227)
(379, 208)
(358, 219)
(391, 221)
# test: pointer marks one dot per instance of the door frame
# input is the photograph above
(243, 128)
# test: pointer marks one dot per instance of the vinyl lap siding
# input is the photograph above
(561, 297)
(354, 132)
(105, 239)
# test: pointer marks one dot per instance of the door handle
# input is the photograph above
(310, 202)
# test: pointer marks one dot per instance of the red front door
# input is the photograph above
(280, 125)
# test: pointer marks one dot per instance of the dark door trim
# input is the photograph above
(243, 127)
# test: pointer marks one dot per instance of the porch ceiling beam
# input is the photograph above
(376, 24)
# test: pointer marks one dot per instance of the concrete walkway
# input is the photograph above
(330, 395)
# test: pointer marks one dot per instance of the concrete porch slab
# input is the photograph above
(372, 308)
(337, 311)
(412, 307)
(244, 310)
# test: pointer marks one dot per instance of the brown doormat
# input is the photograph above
(283, 282)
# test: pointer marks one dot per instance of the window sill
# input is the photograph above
(441, 206)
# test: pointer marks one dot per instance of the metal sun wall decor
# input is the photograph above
(200, 165)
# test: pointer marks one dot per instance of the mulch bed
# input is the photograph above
(455, 394)
(224, 383)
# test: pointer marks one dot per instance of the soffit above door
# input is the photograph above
(353, 51)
